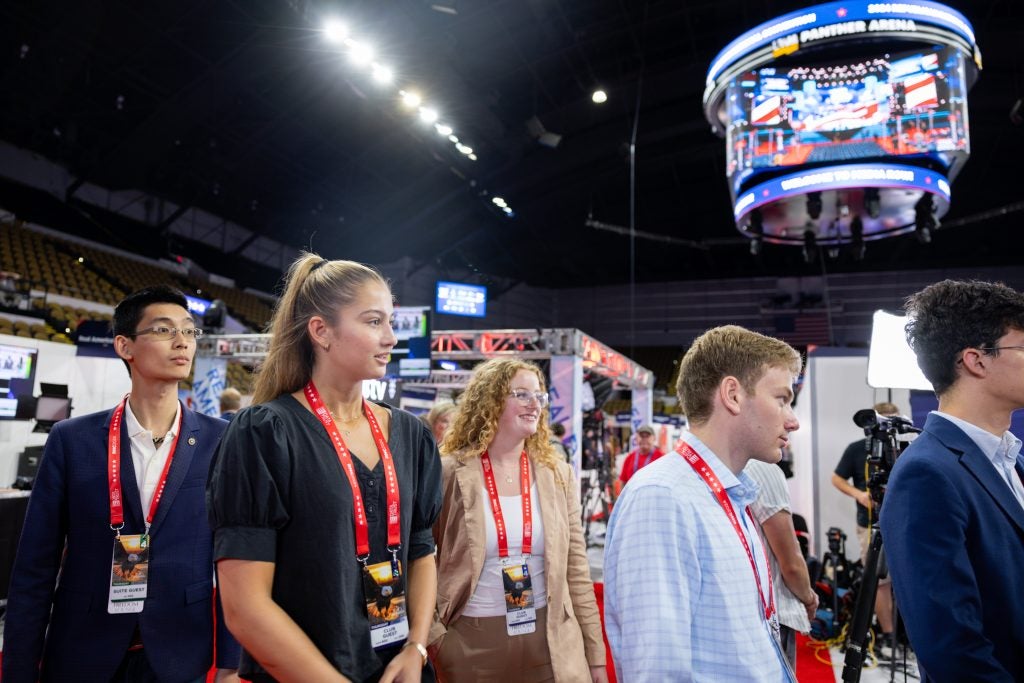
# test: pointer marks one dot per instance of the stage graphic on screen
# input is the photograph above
(894, 105)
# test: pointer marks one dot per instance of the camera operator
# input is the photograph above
(854, 466)
(953, 517)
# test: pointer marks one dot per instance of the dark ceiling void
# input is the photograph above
(243, 110)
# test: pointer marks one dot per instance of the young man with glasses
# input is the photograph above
(953, 517)
(118, 514)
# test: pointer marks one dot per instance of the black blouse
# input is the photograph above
(277, 493)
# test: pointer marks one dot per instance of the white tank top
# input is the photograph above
(488, 600)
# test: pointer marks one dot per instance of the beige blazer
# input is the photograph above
(573, 622)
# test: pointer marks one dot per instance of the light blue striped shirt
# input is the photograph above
(681, 602)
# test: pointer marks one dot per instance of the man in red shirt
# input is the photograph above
(644, 454)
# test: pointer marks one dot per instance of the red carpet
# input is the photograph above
(809, 668)
(599, 591)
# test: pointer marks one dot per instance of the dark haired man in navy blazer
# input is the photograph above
(953, 516)
(83, 603)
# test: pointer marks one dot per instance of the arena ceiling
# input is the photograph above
(242, 108)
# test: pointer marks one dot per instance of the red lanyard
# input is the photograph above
(114, 470)
(390, 477)
(499, 519)
(701, 468)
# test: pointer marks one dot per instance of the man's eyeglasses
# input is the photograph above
(526, 397)
(999, 348)
(164, 333)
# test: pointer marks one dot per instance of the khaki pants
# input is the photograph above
(479, 650)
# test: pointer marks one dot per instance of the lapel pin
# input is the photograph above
(191, 441)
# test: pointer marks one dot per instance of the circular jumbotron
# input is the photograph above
(846, 121)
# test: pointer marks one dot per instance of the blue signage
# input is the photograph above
(455, 298)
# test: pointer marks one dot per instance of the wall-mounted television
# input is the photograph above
(456, 298)
(17, 382)
(901, 104)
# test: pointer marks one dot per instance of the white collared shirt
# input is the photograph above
(148, 459)
(1001, 452)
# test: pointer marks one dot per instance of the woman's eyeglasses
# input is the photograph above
(526, 397)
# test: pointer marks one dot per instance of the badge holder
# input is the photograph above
(129, 573)
(520, 613)
(384, 591)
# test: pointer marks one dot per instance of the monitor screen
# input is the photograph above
(17, 380)
(455, 298)
(412, 352)
(53, 408)
(911, 103)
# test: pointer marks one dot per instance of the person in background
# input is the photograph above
(114, 576)
(797, 602)
(440, 418)
(644, 454)
(515, 598)
(322, 502)
(557, 434)
(230, 402)
(953, 516)
(851, 477)
(688, 589)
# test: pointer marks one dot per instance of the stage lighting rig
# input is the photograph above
(924, 220)
(814, 205)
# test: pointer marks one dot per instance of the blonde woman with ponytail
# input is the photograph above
(322, 503)
(515, 605)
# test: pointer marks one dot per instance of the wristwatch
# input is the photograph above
(419, 648)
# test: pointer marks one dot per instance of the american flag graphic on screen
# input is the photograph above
(920, 91)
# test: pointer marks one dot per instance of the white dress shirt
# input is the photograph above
(1001, 451)
(149, 459)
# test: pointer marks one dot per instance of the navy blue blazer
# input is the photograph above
(69, 508)
(953, 534)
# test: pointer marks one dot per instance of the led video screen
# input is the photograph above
(894, 105)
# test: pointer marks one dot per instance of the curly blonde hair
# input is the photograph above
(481, 406)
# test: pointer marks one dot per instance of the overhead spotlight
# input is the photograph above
(872, 202)
(814, 205)
(335, 31)
(472, 157)
(464, 149)
(411, 99)
(857, 238)
(382, 74)
(810, 250)
(924, 218)
(360, 53)
(428, 115)
(453, 139)
(507, 210)
(443, 129)
(500, 201)
(599, 96)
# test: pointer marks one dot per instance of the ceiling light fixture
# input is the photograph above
(599, 96)
(411, 99)
(428, 115)
(335, 31)
(360, 53)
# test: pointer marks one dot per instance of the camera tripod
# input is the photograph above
(860, 622)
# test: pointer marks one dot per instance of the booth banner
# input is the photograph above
(641, 410)
(566, 404)
(94, 338)
(210, 378)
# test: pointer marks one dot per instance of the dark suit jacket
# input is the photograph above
(953, 535)
(69, 508)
